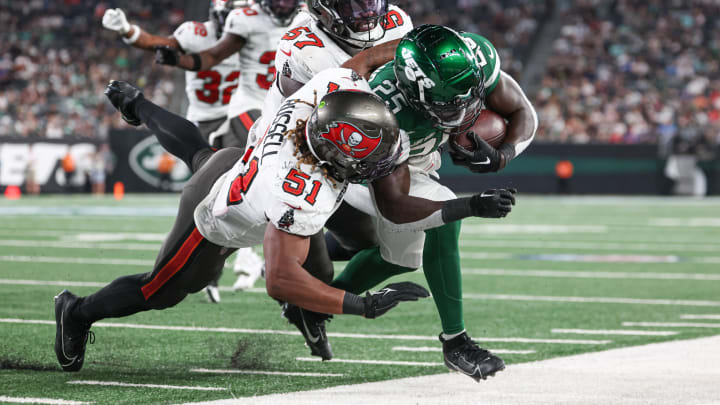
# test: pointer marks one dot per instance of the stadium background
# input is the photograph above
(626, 90)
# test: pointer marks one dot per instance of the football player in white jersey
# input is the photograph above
(278, 192)
(208, 91)
(209, 94)
(252, 32)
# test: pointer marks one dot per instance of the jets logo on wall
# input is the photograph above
(351, 140)
(144, 159)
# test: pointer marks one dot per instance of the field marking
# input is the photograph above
(701, 316)
(590, 258)
(88, 211)
(76, 245)
(282, 373)
(592, 274)
(673, 324)
(380, 362)
(166, 387)
(590, 245)
(77, 260)
(295, 333)
(685, 222)
(65, 283)
(49, 401)
(593, 300)
(532, 228)
(615, 332)
(439, 349)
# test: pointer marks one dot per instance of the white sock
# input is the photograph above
(445, 336)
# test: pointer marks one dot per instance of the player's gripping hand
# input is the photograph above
(114, 19)
(165, 55)
(493, 203)
(379, 302)
(483, 158)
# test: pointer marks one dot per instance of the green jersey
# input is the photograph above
(424, 138)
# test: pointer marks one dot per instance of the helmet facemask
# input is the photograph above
(281, 12)
(358, 23)
(219, 10)
(460, 114)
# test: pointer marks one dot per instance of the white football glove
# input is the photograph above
(115, 20)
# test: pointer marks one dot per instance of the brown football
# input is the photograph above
(490, 126)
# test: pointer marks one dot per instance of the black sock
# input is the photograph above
(177, 135)
(120, 298)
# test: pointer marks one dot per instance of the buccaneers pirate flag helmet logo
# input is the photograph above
(354, 135)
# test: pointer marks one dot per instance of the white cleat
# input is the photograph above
(248, 268)
(213, 293)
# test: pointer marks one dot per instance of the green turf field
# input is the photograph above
(559, 276)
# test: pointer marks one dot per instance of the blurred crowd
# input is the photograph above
(633, 71)
(626, 71)
(55, 60)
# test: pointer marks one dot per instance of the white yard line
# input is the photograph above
(678, 372)
(49, 401)
(76, 260)
(711, 222)
(496, 229)
(599, 245)
(615, 332)
(592, 274)
(294, 333)
(162, 386)
(673, 324)
(592, 300)
(439, 349)
(590, 258)
(281, 373)
(76, 245)
(379, 362)
(53, 283)
(701, 316)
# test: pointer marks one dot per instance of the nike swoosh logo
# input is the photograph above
(486, 194)
(294, 207)
(288, 53)
(484, 162)
(310, 336)
(62, 341)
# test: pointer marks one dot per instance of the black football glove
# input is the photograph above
(165, 55)
(379, 302)
(493, 203)
(484, 158)
(124, 97)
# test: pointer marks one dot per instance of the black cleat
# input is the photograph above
(123, 97)
(71, 337)
(464, 355)
(312, 326)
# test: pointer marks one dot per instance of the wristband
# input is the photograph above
(456, 209)
(197, 62)
(353, 304)
(134, 37)
(508, 151)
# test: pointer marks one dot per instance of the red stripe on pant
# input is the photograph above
(174, 265)
(246, 120)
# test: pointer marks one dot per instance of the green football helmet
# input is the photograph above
(439, 74)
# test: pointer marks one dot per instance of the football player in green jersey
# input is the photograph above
(437, 85)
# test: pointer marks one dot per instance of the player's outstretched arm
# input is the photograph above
(404, 212)
(226, 46)
(114, 19)
(288, 281)
(367, 60)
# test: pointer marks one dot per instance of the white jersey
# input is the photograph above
(267, 184)
(208, 91)
(257, 57)
(306, 50)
